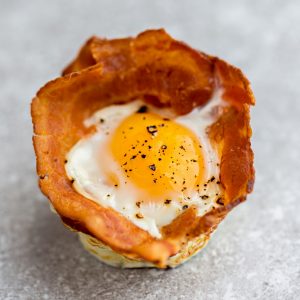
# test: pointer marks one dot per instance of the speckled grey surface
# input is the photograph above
(255, 254)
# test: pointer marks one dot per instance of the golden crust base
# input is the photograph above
(112, 258)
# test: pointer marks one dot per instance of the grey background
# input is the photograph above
(255, 254)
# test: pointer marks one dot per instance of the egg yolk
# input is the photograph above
(158, 155)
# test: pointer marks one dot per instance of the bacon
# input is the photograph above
(155, 67)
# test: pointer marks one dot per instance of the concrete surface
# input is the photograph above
(255, 254)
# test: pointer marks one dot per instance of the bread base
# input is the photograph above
(112, 258)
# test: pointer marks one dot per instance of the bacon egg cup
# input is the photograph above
(143, 147)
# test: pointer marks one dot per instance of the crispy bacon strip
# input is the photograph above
(165, 72)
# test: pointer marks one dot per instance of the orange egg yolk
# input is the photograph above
(158, 155)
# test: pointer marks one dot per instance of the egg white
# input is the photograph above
(89, 160)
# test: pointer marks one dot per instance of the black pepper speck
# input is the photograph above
(152, 167)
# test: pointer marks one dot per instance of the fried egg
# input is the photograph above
(147, 163)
